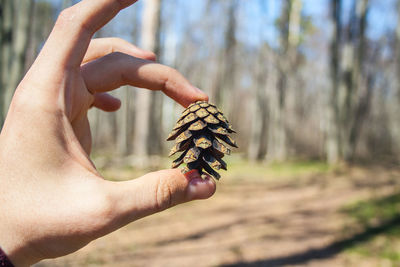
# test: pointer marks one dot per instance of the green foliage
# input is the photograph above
(375, 211)
(255, 170)
(382, 213)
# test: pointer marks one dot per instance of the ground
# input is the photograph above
(284, 215)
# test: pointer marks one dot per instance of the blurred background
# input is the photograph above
(313, 89)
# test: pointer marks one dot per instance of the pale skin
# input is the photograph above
(53, 200)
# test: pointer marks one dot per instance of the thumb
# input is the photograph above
(157, 191)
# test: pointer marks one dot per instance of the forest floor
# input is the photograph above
(282, 215)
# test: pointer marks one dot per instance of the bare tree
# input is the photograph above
(41, 25)
(127, 112)
(289, 22)
(333, 139)
(396, 124)
(225, 79)
(363, 80)
(259, 133)
(148, 104)
(15, 36)
(66, 3)
(352, 79)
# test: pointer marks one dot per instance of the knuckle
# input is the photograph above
(111, 43)
(103, 207)
(65, 17)
(173, 72)
(69, 18)
(19, 100)
(118, 55)
(163, 195)
(172, 79)
(100, 213)
(22, 101)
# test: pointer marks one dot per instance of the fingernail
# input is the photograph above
(193, 189)
(200, 188)
(201, 92)
(198, 90)
(152, 56)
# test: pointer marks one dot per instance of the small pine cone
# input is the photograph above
(198, 135)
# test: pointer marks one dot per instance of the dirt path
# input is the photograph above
(257, 222)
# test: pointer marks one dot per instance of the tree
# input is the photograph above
(15, 28)
(333, 138)
(289, 25)
(227, 62)
(349, 80)
(126, 116)
(352, 80)
(362, 79)
(41, 22)
(396, 124)
(259, 129)
(147, 138)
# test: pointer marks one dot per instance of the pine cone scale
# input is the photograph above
(199, 134)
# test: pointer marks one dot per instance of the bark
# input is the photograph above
(361, 114)
(396, 124)
(42, 21)
(5, 51)
(225, 79)
(126, 115)
(259, 133)
(16, 28)
(1, 62)
(347, 110)
(228, 78)
(397, 53)
(361, 80)
(333, 140)
(290, 20)
(346, 87)
(66, 4)
(124, 122)
(148, 104)
(353, 79)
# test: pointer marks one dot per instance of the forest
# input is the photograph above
(312, 88)
(296, 81)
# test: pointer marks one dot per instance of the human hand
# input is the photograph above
(53, 200)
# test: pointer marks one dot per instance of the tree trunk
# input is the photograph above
(289, 26)
(124, 120)
(333, 140)
(66, 4)
(361, 80)
(5, 52)
(16, 27)
(126, 115)
(148, 104)
(42, 21)
(259, 133)
(228, 78)
(396, 118)
(352, 78)
(225, 76)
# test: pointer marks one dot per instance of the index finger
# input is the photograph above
(117, 69)
(71, 35)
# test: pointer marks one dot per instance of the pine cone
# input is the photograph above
(198, 135)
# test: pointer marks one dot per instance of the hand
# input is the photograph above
(53, 200)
